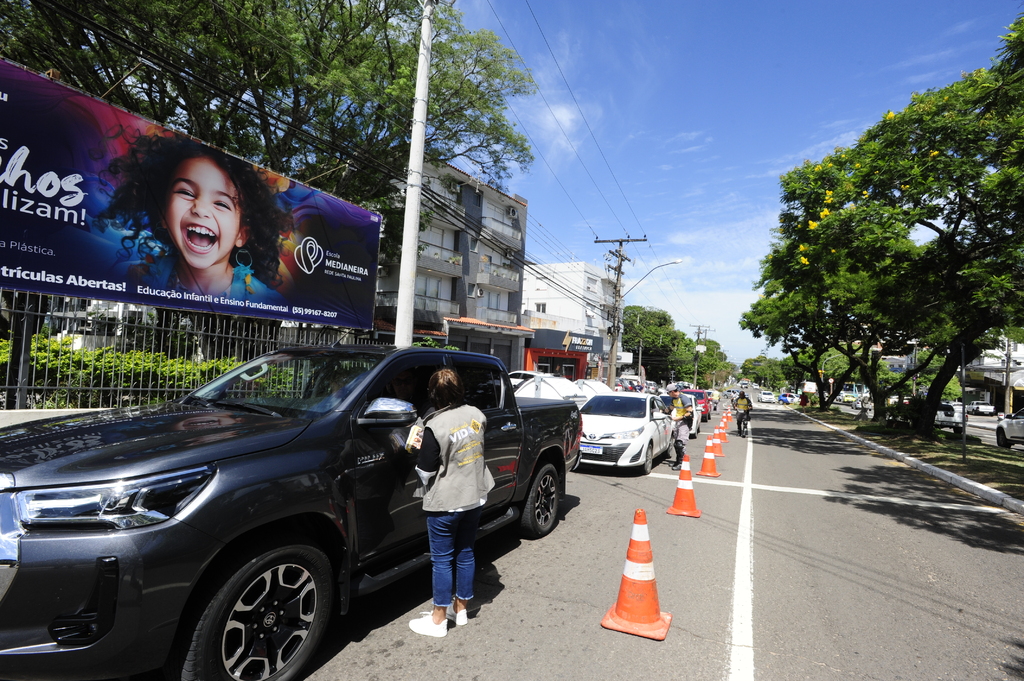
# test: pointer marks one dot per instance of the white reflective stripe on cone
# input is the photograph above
(684, 484)
(640, 533)
(641, 572)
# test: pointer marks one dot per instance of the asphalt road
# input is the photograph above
(814, 558)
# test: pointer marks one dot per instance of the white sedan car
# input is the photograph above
(625, 429)
(767, 396)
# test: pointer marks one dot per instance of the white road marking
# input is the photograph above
(969, 508)
(741, 666)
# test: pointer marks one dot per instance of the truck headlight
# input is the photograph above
(123, 504)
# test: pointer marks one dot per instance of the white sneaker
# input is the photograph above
(425, 626)
(461, 619)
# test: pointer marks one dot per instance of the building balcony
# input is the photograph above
(441, 260)
(499, 316)
(425, 309)
(503, 232)
(498, 276)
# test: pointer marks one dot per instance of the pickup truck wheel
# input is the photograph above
(263, 618)
(540, 512)
(957, 430)
(1001, 439)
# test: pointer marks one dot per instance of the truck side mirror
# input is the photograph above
(388, 411)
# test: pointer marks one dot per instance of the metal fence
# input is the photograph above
(60, 352)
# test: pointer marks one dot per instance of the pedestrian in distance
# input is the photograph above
(455, 482)
(803, 399)
(682, 417)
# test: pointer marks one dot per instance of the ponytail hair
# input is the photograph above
(445, 389)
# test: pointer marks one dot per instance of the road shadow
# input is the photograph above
(1015, 668)
(395, 601)
(775, 429)
(997, 532)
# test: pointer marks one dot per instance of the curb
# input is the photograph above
(992, 496)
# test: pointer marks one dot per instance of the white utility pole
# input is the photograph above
(414, 187)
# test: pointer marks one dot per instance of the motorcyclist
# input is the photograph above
(743, 407)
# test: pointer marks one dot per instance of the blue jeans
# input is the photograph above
(452, 536)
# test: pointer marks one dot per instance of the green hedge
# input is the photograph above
(108, 377)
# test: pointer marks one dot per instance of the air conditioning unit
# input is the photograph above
(383, 271)
(512, 213)
(480, 292)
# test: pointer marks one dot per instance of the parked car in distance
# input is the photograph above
(548, 387)
(687, 399)
(1010, 429)
(625, 430)
(766, 396)
(981, 409)
(788, 398)
(951, 416)
(702, 400)
(591, 387)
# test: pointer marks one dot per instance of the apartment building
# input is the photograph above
(469, 283)
(568, 305)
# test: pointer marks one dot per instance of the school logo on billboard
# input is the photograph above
(97, 202)
(309, 255)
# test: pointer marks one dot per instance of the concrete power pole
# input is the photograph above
(620, 256)
(414, 186)
(698, 349)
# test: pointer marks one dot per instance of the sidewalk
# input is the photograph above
(988, 494)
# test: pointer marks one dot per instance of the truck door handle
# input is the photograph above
(509, 426)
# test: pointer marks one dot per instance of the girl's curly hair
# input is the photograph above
(143, 175)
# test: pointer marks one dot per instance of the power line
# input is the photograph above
(585, 121)
(559, 124)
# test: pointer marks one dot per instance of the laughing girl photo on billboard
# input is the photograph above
(196, 220)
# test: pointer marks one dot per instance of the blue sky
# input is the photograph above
(679, 117)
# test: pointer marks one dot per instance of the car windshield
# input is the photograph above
(613, 405)
(299, 384)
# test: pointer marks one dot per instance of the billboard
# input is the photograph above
(96, 202)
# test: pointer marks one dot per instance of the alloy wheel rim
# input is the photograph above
(268, 624)
(546, 494)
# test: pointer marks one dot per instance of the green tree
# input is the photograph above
(910, 235)
(764, 371)
(655, 331)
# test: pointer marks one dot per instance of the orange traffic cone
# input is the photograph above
(636, 611)
(716, 439)
(684, 503)
(722, 427)
(707, 467)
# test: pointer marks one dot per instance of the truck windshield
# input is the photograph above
(304, 384)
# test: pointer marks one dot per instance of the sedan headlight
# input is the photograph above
(626, 435)
(123, 504)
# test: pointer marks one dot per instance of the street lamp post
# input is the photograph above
(616, 305)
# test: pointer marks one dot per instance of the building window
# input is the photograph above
(428, 286)
(541, 307)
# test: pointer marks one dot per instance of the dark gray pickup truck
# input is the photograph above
(214, 535)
